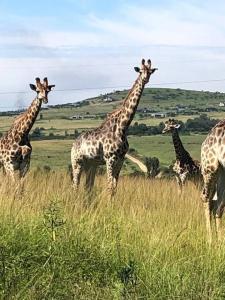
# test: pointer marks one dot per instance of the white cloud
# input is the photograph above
(184, 40)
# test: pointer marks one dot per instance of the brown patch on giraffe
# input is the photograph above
(114, 127)
(123, 123)
(219, 131)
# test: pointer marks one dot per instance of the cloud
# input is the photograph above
(184, 40)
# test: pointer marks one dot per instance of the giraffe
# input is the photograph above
(213, 172)
(15, 147)
(184, 167)
(108, 143)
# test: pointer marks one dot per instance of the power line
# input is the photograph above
(116, 87)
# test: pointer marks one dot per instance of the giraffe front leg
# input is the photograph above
(118, 168)
(110, 178)
(25, 164)
(76, 174)
(179, 182)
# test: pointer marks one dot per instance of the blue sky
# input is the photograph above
(89, 44)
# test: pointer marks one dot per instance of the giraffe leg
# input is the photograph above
(12, 170)
(117, 172)
(25, 163)
(76, 172)
(90, 177)
(179, 182)
(110, 165)
(183, 178)
(207, 196)
(220, 202)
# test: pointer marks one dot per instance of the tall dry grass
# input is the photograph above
(148, 242)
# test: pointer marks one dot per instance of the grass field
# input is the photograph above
(146, 243)
(56, 153)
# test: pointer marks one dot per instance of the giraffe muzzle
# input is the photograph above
(45, 100)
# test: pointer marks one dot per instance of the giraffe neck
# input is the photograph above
(181, 153)
(24, 125)
(131, 103)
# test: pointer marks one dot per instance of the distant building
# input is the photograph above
(108, 99)
(88, 116)
(76, 117)
(159, 115)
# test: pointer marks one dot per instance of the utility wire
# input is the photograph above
(108, 87)
(118, 86)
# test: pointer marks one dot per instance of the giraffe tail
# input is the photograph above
(70, 171)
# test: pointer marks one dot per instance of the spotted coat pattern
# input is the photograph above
(184, 167)
(15, 147)
(108, 143)
(213, 171)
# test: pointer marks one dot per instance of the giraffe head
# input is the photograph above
(170, 126)
(42, 89)
(145, 70)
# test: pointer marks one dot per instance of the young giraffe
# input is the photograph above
(213, 171)
(108, 143)
(184, 167)
(15, 147)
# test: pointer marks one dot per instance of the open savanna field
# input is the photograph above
(56, 153)
(56, 124)
(148, 242)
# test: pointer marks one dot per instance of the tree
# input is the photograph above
(152, 164)
(76, 133)
(36, 132)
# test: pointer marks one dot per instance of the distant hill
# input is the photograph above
(163, 102)
(154, 99)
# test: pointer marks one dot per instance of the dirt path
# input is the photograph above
(140, 164)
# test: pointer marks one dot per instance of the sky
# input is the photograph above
(90, 47)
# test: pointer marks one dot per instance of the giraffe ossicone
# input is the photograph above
(108, 143)
(15, 147)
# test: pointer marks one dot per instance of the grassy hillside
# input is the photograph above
(55, 121)
(148, 243)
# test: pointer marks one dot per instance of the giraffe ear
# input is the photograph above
(33, 87)
(177, 126)
(137, 69)
(51, 86)
(153, 70)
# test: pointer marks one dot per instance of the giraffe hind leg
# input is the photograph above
(208, 192)
(220, 202)
(90, 177)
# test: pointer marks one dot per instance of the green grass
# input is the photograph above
(148, 243)
(162, 147)
(56, 153)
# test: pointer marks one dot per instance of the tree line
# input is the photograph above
(199, 124)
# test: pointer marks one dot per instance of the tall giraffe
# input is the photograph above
(213, 171)
(108, 143)
(184, 167)
(15, 147)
